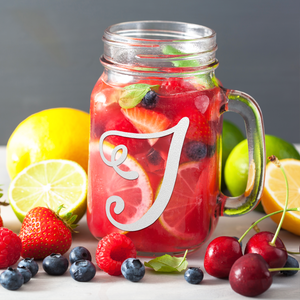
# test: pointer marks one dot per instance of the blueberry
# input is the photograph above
(55, 264)
(195, 150)
(154, 157)
(26, 273)
(83, 270)
(79, 253)
(149, 100)
(11, 279)
(290, 263)
(193, 275)
(211, 149)
(31, 264)
(132, 269)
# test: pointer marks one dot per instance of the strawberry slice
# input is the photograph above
(146, 121)
(199, 129)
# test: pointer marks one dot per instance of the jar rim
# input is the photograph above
(135, 32)
(159, 46)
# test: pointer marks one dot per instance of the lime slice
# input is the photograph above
(49, 183)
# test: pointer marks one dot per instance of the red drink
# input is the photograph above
(190, 216)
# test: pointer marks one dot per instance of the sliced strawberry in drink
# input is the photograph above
(146, 121)
(199, 127)
(118, 122)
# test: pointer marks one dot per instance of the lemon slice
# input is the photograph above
(49, 183)
(274, 193)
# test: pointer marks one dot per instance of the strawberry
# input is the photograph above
(199, 128)
(117, 122)
(146, 121)
(43, 232)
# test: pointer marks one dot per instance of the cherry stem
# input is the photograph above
(266, 216)
(291, 252)
(283, 269)
(274, 159)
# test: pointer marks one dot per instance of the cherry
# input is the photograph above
(249, 275)
(220, 255)
(275, 255)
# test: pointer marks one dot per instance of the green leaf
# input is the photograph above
(167, 263)
(133, 94)
(169, 50)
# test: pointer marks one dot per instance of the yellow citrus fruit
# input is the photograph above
(274, 193)
(49, 183)
(56, 133)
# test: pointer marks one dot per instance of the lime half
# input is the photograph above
(50, 183)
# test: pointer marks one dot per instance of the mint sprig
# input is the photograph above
(168, 263)
(133, 94)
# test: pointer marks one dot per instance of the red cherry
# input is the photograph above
(275, 256)
(249, 275)
(220, 255)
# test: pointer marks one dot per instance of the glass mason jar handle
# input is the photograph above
(247, 107)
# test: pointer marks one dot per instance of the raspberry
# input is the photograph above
(112, 250)
(1, 222)
(10, 248)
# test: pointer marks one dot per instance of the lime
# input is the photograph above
(231, 136)
(49, 183)
(236, 167)
(56, 133)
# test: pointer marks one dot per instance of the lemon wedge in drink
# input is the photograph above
(49, 183)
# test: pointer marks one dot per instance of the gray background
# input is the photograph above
(49, 52)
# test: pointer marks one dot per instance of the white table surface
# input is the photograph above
(153, 285)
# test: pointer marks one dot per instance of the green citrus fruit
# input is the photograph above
(236, 167)
(50, 183)
(231, 136)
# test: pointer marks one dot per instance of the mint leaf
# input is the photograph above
(167, 263)
(169, 50)
(202, 79)
(133, 94)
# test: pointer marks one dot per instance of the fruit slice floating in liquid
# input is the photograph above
(113, 119)
(146, 121)
(274, 193)
(105, 182)
(49, 183)
(185, 214)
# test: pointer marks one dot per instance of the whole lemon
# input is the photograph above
(56, 133)
(236, 167)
